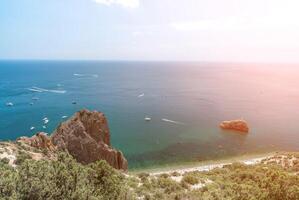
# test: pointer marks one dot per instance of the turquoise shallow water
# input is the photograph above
(198, 95)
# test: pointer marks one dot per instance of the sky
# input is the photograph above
(178, 30)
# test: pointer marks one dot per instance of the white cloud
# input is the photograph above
(123, 3)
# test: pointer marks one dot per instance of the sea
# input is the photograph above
(185, 102)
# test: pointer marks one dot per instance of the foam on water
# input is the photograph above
(38, 89)
(171, 121)
(87, 75)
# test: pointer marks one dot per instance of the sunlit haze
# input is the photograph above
(196, 30)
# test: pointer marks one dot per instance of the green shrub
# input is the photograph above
(190, 179)
(21, 157)
(67, 179)
(168, 185)
(143, 176)
(106, 180)
(8, 177)
(4, 160)
(62, 179)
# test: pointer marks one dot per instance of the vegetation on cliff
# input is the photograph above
(275, 178)
(59, 179)
(235, 182)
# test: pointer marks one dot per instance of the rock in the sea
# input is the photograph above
(86, 137)
(39, 140)
(237, 125)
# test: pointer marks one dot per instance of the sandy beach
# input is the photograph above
(206, 165)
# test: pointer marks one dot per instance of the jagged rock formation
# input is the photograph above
(39, 140)
(237, 125)
(37, 147)
(86, 137)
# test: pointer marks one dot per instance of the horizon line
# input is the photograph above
(132, 60)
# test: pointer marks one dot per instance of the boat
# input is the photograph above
(9, 104)
(147, 119)
(32, 128)
(46, 121)
(141, 95)
(63, 117)
(44, 127)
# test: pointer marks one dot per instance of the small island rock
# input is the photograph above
(237, 125)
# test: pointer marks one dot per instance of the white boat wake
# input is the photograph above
(87, 75)
(174, 122)
(37, 89)
(34, 90)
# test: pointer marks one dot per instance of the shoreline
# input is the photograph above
(207, 165)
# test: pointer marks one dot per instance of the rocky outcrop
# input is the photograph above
(86, 137)
(236, 125)
(39, 140)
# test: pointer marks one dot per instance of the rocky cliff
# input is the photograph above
(85, 136)
(39, 141)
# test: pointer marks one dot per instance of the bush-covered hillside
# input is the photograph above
(275, 178)
(64, 178)
(60, 180)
